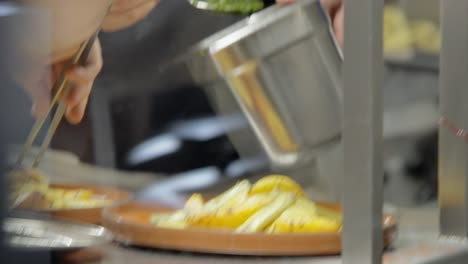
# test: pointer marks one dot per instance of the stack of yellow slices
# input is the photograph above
(58, 198)
(274, 204)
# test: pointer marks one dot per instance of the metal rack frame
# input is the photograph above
(362, 130)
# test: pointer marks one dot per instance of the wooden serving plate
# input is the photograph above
(83, 215)
(130, 224)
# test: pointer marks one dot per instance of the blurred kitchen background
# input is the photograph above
(148, 118)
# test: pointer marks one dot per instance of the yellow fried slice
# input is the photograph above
(80, 204)
(238, 190)
(233, 215)
(54, 193)
(215, 212)
(298, 218)
(194, 204)
(276, 182)
(318, 210)
(77, 194)
(307, 206)
(304, 225)
(330, 214)
(176, 220)
(267, 214)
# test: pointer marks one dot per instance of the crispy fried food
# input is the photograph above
(267, 214)
(299, 218)
(194, 204)
(239, 190)
(177, 220)
(275, 204)
(276, 182)
(30, 190)
(57, 198)
(233, 214)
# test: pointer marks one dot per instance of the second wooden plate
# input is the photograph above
(84, 215)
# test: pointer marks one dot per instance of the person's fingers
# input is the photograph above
(338, 25)
(331, 5)
(88, 72)
(336, 10)
(81, 89)
(77, 93)
(38, 82)
(83, 77)
(76, 113)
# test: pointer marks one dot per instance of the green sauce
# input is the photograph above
(233, 6)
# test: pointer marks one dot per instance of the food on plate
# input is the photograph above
(274, 204)
(403, 36)
(176, 220)
(277, 182)
(32, 189)
(397, 33)
(426, 36)
(25, 182)
(299, 218)
(58, 198)
(267, 214)
(233, 214)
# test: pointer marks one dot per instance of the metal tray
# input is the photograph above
(35, 234)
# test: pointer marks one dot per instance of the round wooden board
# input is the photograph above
(85, 215)
(130, 225)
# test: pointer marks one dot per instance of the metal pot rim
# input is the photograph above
(199, 57)
(249, 26)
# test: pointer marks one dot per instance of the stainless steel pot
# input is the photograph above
(279, 70)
